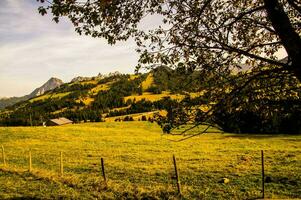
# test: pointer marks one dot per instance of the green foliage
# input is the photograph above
(177, 81)
(74, 87)
(287, 121)
(154, 90)
(128, 118)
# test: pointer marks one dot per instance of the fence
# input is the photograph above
(100, 168)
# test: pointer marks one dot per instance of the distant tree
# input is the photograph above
(128, 118)
(98, 118)
(154, 90)
(150, 119)
(129, 102)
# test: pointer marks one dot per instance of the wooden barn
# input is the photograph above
(58, 122)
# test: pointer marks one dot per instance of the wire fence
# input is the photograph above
(244, 172)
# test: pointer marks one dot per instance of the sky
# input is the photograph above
(33, 48)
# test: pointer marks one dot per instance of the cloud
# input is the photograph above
(33, 49)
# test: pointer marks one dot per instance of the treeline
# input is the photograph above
(85, 115)
(72, 87)
(144, 106)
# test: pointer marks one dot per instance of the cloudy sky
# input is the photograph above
(34, 48)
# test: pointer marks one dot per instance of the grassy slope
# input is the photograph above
(148, 82)
(138, 162)
(47, 96)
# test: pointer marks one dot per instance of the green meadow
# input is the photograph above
(138, 163)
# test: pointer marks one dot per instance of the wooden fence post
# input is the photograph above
(262, 172)
(103, 170)
(3, 156)
(177, 175)
(61, 164)
(29, 162)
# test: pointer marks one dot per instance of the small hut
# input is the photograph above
(59, 121)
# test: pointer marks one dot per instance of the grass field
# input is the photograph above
(138, 161)
(101, 87)
(148, 82)
(46, 96)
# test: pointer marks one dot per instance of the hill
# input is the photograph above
(100, 97)
(9, 101)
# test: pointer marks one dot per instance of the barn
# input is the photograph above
(58, 121)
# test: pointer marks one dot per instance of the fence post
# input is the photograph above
(177, 175)
(29, 162)
(262, 172)
(103, 170)
(61, 164)
(3, 155)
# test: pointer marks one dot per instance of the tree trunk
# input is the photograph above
(287, 34)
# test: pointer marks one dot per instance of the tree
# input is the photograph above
(212, 37)
(197, 33)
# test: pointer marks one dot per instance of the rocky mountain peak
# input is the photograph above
(80, 78)
(51, 84)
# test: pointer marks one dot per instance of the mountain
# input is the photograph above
(51, 84)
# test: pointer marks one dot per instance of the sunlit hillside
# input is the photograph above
(97, 98)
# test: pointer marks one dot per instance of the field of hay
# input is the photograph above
(138, 163)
